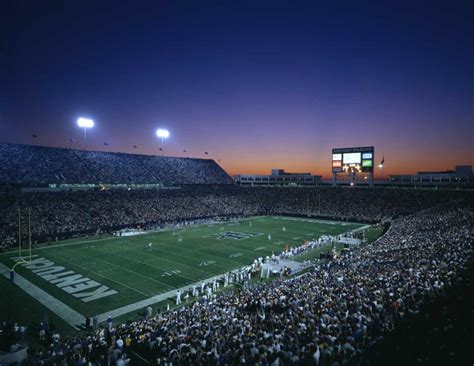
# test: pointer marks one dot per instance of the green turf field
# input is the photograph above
(133, 272)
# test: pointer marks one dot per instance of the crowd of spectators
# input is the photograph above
(59, 215)
(359, 204)
(29, 165)
(330, 316)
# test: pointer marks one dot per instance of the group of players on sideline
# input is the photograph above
(333, 315)
(61, 215)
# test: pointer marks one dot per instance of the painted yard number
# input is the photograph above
(206, 263)
(237, 235)
(169, 274)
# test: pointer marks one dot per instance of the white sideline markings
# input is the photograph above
(152, 300)
(70, 316)
(360, 228)
(15, 251)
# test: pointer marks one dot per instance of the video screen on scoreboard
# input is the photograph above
(356, 159)
(351, 158)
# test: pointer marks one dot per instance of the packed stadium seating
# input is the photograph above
(333, 315)
(67, 214)
(28, 165)
(330, 316)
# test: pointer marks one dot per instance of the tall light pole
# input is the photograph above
(381, 170)
(85, 123)
(162, 134)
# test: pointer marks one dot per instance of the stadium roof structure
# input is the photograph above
(39, 165)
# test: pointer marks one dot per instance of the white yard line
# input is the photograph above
(70, 316)
(361, 228)
(152, 300)
(156, 257)
(108, 278)
(129, 270)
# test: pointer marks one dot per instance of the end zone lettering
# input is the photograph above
(75, 284)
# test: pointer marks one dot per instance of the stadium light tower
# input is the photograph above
(85, 123)
(381, 170)
(162, 134)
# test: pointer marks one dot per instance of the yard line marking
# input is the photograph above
(129, 270)
(210, 246)
(155, 257)
(200, 251)
(146, 264)
(108, 278)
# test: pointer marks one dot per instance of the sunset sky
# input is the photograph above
(257, 84)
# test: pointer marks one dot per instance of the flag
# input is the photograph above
(34, 136)
(71, 141)
(383, 160)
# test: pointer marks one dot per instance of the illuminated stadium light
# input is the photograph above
(162, 134)
(85, 123)
(380, 166)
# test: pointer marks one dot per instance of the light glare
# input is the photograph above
(163, 134)
(85, 122)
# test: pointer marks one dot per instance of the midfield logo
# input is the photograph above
(237, 235)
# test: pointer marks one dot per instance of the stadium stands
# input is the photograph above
(330, 316)
(38, 165)
(67, 214)
(333, 315)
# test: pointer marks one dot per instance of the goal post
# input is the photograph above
(21, 258)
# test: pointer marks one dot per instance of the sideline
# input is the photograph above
(70, 316)
(46, 246)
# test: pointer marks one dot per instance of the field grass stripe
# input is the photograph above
(129, 270)
(148, 265)
(110, 279)
(156, 256)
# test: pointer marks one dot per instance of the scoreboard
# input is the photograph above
(356, 159)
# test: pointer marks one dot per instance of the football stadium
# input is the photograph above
(121, 248)
(268, 183)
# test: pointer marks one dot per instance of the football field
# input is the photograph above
(98, 275)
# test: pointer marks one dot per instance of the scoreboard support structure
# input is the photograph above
(370, 179)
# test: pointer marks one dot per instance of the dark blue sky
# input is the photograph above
(258, 84)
